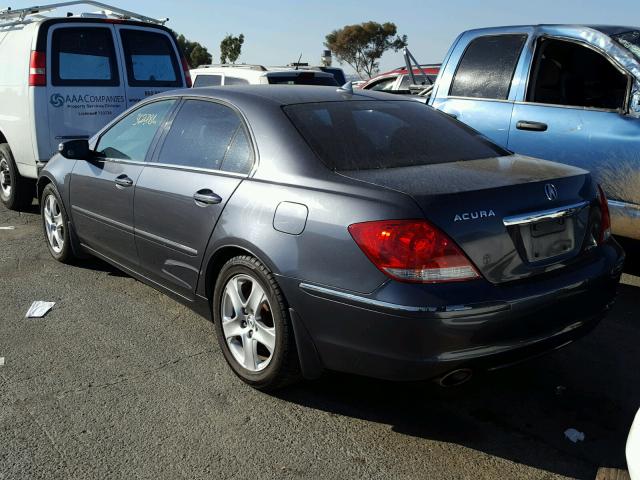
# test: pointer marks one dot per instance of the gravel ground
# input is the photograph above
(119, 381)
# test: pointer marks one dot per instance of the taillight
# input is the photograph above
(187, 73)
(413, 251)
(38, 69)
(605, 217)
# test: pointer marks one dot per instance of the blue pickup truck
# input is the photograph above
(566, 93)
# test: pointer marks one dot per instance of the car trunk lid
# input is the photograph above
(513, 216)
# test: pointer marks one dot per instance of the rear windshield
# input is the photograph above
(364, 135)
(303, 78)
(83, 56)
(207, 81)
(151, 59)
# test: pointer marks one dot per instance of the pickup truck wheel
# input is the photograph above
(253, 325)
(56, 225)
(16, 192)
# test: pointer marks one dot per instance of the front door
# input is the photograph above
(182, 192)
(86, 87)
(573, 112)
(102, 188)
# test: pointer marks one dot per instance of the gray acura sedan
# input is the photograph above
(325, 229)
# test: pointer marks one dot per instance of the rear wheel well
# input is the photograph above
(221, 257)
(3, 139)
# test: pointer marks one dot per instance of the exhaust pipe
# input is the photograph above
(456, 377)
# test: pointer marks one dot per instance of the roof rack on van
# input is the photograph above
(9, 17)
(247, 66)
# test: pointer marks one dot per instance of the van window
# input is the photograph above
(83, 57)
(150, 58)
(130, 138)
(487, 67)
(570, 74)
(204, 80)
(363, 135)
(207, 135)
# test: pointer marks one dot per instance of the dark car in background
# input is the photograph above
(323, 228)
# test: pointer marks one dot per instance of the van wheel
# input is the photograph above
(16, 192)
(253, 325)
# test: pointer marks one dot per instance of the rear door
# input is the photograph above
(181, 194)
(86, 88)
(151, 60)
(479, 92)
(101, 189)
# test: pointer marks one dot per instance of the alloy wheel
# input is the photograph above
(247, 322)
(54, 225)
(5, 178)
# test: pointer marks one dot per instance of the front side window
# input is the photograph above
(130, 138)
(487, 67)
(570, 74)
(383, 85)
(150, 58)
(363, 135)
(205, 80)
(207, 135)
(83, 57)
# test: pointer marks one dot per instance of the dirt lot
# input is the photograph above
(119, 381)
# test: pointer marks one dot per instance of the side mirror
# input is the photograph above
(75, 149)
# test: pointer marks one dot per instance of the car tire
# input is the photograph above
(16, 192)
(248, 353)
(55, 224)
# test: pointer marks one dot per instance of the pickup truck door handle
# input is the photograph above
(206, 197)
(123, 181)
(531, 126)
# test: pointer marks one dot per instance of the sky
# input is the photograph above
(278, 31)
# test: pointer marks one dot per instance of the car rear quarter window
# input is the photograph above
(207, 135)
(362, 135)
(487, 67)
(207, 81)
(83, 57)
(130, 137)
(150, 58)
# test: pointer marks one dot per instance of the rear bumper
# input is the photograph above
(413, 332)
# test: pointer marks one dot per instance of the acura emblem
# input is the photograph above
(551, 191)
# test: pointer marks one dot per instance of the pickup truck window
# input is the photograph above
(570, 74)
(364, 135)
(487, 67)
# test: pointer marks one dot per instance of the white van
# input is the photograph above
(244, 74)
(65, 78)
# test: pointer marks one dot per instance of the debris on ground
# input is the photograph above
(39, 309)
(574, 435)
(1, 361)
(7, 228)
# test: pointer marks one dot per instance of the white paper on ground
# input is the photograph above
(1, 361)
(7, 228)
(39, 309)
(574, 435)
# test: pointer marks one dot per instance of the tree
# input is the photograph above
(195, 53)
(230, 48)
(361, 46)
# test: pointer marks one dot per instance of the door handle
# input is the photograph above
(123, 181)
(531, 126)
(206, 197)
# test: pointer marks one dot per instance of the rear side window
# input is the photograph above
(235, 81)
(207, 81)
(130, 138)
(487, 67)
(363, 135)
(303, 78)
(83, 56)
(207, 135)
(150, 58)
(420, 80)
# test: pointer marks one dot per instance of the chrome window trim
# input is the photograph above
(542, 215)
(169, 166)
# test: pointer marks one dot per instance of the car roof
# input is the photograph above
(279, 95)
(606, 29)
